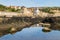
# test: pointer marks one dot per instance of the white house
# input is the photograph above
(36, 11)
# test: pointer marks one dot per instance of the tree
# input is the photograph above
(2, 7)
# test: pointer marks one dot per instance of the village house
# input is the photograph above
(27, 11)
(15, 7)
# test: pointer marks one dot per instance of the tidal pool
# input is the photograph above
(32, 33)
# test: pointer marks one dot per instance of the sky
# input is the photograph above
(31, 3)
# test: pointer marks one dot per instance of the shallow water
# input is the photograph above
(32, 33)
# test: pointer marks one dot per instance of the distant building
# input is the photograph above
(55, 11)
(27, 11)
(15, 7)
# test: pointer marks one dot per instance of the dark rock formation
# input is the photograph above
(48, 20)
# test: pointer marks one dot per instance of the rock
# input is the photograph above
(12, 29)
(46, 29)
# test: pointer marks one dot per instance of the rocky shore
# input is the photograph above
(14, 24)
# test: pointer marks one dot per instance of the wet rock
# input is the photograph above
(46, 29)
(12, 29)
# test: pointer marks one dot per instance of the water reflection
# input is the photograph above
(35, 32)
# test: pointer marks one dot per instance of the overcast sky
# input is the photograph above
(31, 3)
